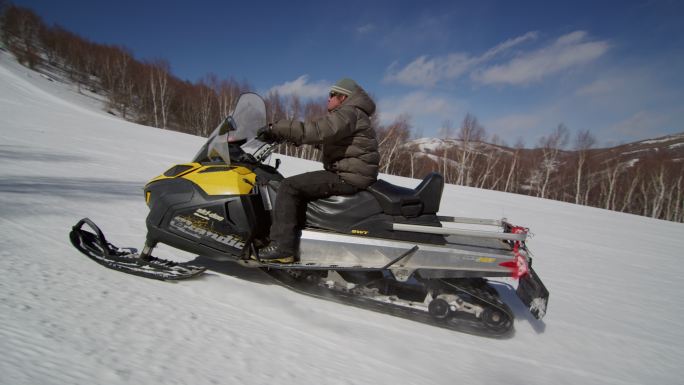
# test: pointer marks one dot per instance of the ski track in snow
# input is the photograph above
(615, 280)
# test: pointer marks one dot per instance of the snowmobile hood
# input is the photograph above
(212, 179)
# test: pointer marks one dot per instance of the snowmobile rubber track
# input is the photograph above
(461, 323)
(487, 296)
(96, 247)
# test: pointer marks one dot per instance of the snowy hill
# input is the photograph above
(615, 280)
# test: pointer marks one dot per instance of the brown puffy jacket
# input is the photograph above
(346, 137)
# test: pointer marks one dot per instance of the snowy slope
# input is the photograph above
(615, 280)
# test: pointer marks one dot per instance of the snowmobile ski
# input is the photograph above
(95, 246)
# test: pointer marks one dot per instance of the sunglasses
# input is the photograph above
(333, 94)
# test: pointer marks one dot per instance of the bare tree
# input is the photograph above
(492, 157)
(161, 92)
(510, 182)
(471, 131)
(612, 173)
(207, 111)
(583, 143)
(551, 146)
(21, 30)
(275, 107)
(634, 180)
(390, 140)
(678, 202)
(658, 183)
(446, 132)
(674, 198)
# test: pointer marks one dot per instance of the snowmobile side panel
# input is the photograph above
(336, 251)
(182, 215)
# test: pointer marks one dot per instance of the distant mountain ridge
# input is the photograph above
(669, 146)
(643, 177)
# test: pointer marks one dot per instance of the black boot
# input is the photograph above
(273, 253)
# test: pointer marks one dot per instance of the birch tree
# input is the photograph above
(551, 146)
(510, 180)
(658, 183)
(446, 132)
(160, 91)
(390, 140)
(471, 131)
(583, 143)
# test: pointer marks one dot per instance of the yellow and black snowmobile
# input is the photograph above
(385, 248)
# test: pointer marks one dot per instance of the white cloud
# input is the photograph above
(426, 71)
(514, 125)
(601, 87)
(302, 88)
(419, 104)
(508, 44)
(641, 124)
(366, 28)
(566, 52)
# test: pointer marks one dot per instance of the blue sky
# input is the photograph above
(521, 67)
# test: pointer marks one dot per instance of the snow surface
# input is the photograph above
(615, 310)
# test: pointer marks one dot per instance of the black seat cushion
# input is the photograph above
(339, 212)
(397, 200)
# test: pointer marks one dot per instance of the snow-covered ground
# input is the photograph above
(616, 280)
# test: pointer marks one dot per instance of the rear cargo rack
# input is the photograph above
(503, 235)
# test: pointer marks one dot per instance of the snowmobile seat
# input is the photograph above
(340, 212)
(397, 200)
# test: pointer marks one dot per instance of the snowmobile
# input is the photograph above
(384, 248)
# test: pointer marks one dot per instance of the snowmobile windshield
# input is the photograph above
(236, 133)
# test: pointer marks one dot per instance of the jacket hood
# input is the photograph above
(360, 99)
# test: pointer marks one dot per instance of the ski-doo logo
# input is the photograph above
(359, 232)
(186, 226)
(206, 214)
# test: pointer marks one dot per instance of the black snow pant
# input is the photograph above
(290, 207)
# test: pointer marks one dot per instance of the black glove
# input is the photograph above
(246, 158)
(265, 134)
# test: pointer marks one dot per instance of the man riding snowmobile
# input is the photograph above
(384, 247)
(350, 158)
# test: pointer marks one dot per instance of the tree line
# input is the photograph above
(148, 93)
(559, 167)
(142, 91)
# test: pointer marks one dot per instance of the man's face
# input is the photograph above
(334, 100)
